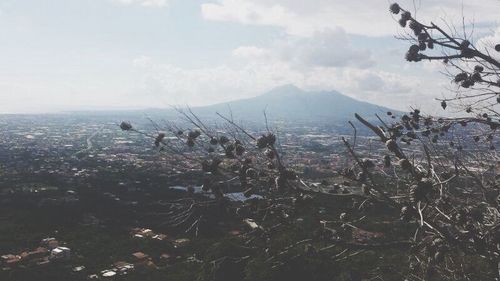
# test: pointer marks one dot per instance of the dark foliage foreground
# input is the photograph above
(428, 209)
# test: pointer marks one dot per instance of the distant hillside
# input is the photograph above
(287, 103)
(291, 103)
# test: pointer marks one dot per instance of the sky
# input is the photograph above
(63, 55)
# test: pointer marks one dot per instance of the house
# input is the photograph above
(160, 237)
(181, 242)
(38, 253)
(108, 273)
(50, 243)
(123, 268)
(60, 253)
(10, 260)
(140, 258)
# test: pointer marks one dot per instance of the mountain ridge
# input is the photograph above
(291, 103)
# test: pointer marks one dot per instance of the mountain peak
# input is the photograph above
(287, 89)
(288, 102)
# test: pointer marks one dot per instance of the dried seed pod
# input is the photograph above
(414, 49)
(405, 164)
(214, 141)
(422, 46)
(497, 47)
(476, 77)
(443, 104)
(406, 15)
(402, 22)
(230, 147)
(478, 68)
(467, 83)
(465, 44)
(422, 37)
(269, 153)
(413, 57)
(159, 139)
(391, 145)
(419, 191)
(416, 27)
(460, 77)
(194, 134)
(467, 52)
(240, 150)
(368, 164)
(125, 126)
(262, 142)
(271, 139)
(395, 8)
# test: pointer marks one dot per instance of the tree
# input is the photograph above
(449, 177)
(429, 208)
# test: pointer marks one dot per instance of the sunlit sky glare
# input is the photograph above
(58, 55)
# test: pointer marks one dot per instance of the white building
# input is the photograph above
(60, 253)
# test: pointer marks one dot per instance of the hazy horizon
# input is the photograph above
(135, 54)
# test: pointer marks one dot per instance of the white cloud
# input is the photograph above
(487, 44)
(251, 52)
(175, 85)
(145, 3)
(328, 48)
(370, 18)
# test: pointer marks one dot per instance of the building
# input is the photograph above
(60, 253)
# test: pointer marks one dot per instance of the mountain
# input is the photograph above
(294, 104)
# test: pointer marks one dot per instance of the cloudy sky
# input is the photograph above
(86, 54)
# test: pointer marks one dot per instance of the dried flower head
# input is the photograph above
(395, 8)
(125, 126)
